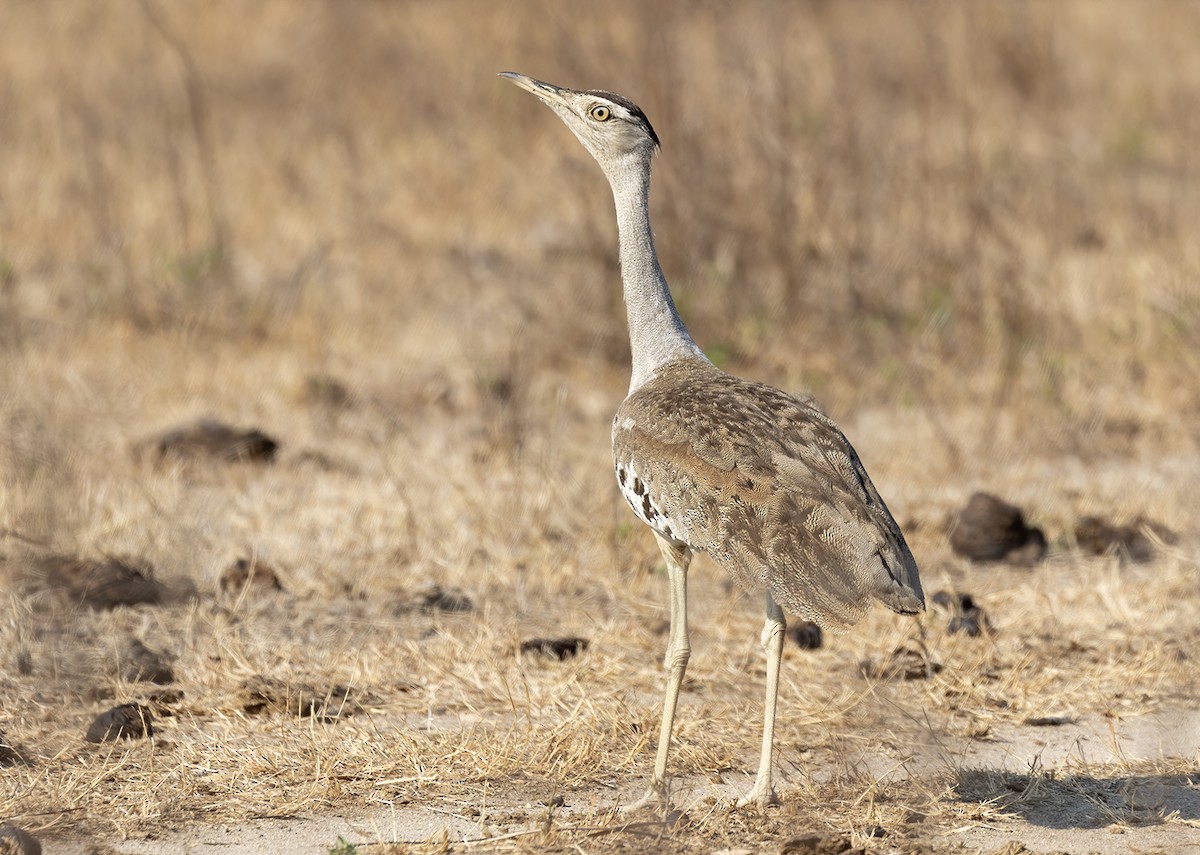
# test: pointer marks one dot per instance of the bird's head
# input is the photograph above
(611, 127)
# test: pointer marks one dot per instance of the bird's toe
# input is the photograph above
(655, 800)
(763, 797)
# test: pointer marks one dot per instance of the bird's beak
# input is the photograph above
(548, 92)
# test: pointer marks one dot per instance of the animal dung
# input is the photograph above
(1048, 721)
(806, 635)
(18, 841)
(9, 756)
(257, 577)
(944, 599)
(966, 616)
(971, 619)
(559, 648)
(438, 599)
(1097, 536)
(259, 693)
(140, 663)
(127, 721)
(101, 585)
(989, 529)
(213, 440)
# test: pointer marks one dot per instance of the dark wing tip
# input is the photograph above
(905, 596)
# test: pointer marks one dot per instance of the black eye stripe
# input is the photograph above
(634, 110)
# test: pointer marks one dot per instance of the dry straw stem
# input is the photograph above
(969, 228)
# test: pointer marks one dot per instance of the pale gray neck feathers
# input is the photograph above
(656, 332)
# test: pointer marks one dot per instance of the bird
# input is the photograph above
(762, 481)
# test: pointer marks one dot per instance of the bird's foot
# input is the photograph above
(760, 795)
(655, 798)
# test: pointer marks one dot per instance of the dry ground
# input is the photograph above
(968, 228)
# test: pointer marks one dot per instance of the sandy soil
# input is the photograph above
(1071, 814)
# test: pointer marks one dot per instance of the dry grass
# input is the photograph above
(969, 229)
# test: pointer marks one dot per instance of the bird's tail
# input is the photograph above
(903, 594)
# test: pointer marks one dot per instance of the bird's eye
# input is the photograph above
(600, 113)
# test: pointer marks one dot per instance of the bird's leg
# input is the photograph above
(772, 640)
(679, 650)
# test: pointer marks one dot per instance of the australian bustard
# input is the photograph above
(764, 482)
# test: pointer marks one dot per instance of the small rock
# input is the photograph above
(102, 585)
(1097, 536)
(257, 576)
(806, 634)
(213, 440)
(817, 844)
(988, 529)
(560, 648)
(139, 662)
(18, 841)
(903, 663)
(127, 721)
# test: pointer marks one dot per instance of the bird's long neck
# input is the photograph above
(656, 332)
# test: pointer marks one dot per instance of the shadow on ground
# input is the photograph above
(1056, 800)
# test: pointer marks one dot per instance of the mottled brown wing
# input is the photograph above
(768, 486)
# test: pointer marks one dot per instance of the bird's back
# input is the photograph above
(768, 486)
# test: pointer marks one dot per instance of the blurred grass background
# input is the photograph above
(984, 204)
